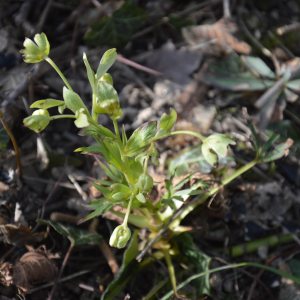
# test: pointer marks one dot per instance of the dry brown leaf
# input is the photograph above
(33, 267)
(220, 36)
(20, 236)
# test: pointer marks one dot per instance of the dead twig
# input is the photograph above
(288, 28)
(40, 24)
(51, 193)
(14, 143)
(61, 270)
(226, 9)
(164, 229)
(111, 260)
(263, 49)
(61, 280)
(138, 66)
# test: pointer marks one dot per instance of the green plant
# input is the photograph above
(128, 158)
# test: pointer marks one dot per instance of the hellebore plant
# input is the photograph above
(128, 158)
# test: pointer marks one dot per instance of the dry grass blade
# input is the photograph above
(222, 32)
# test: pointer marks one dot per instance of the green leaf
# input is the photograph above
(90, 73)
(98, 129)
(47, 103)
(279, 151)
(106, 62)
(231, 83)
(141, 197)
(124, 136)
(187, 161)
(272, 139)
(199, 275)
(294, 85)
(101, 189)
(82, 119)
(76, 236)
(290, 96)
(168, 121)
(199, 260)
(130, 268)
(61, 108)
(255, 136)
(100, 210)
(73, 101)
(120, 188)
(140, 138)
(210, 155)
(106, 91)
(259, 66)
(108, 172)
(116, 30)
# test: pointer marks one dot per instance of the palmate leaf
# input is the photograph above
(116, 30)
(76, 236)
(140, 138)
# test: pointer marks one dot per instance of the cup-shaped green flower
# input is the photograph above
(214, 145)
(120, 236)
(34, 53)
(38, 121)
(145, 183)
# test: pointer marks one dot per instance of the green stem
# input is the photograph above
(62, 117)
(146, 165)
(198, 135)
(94, 115)
(117, 130)
(51, 62)
(171, 270)
(128, 210)
(214, 190)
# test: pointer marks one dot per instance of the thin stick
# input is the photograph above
(138, 66)
(51, 193)
(61, 270)
(46, 285)
(288, 28)
(164, 229)
(263, 49)
(226, 9)
(14, 143)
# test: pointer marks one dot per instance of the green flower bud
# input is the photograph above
(34, 53)
(214, 145)
(145, 183)
(38, 121)
(107, 78)
(120, 236)
(109, 107)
